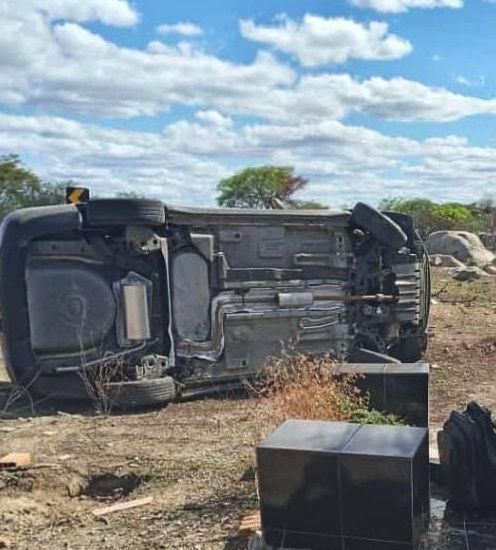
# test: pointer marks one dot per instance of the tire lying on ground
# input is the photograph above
(124, 212)
(384, 229)
(137, 394)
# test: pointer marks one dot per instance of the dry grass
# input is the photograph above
(196, 455)
(96, 381)
(307, 387)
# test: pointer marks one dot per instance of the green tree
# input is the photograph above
(260, 187)
(453, 214)
(21, 187)
(430, 216)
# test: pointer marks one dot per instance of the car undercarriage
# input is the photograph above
(171, 302)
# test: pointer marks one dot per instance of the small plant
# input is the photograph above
(96, 381)
(17, 394)
(306, 386)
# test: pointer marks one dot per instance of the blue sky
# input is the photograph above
(365, 98)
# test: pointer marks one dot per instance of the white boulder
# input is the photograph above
(463, 245)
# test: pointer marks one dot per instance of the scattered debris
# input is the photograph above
(468, 273)
(120, 506)
(15, 461)
(75, 486)
(445, 260)
(433, 447)
(250, 524)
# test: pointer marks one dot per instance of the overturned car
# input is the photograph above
(175, 301)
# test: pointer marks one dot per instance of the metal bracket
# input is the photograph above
(142, 239)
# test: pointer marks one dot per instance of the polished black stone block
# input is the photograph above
(278, 538)
(407, 392)
(345, 486)
(385, 482)
(401, 389)
(298, 475)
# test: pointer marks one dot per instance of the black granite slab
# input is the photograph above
(347, 486)
(450, 529)
(401, 389)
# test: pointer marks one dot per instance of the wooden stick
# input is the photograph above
(15, 461)
(118, 507)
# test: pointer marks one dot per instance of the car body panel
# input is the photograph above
(207, 298)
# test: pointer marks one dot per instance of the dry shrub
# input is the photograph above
(96, 380)
(307, 387)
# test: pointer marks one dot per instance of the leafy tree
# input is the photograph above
(456, 215)
(430, 216)
(20, 187)
(260, 187)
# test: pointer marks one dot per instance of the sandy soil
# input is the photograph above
(195, 458)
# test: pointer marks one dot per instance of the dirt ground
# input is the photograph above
(195, 458)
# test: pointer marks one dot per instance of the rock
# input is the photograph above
(490, 269)
(5, 542)
(468, 273)
(445, 260)
(75, 486)
(463, 245)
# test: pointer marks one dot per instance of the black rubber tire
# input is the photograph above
(137, 394)
(124, 212)
(409, 349)
(382, 228)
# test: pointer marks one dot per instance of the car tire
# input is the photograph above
(382, 228)
(137, 394)
(124, 212)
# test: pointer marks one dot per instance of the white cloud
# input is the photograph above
(317, 41)
(213, 117)
(111, 12)
(184, 163)
(109, 160)
(399, 6)
(337, 95)
(183, 29)
(64, 68)
(406, 100)
(471, 82)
